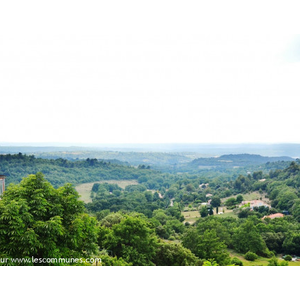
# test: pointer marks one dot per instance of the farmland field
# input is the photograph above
(84, 190)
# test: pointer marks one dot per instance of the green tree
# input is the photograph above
(230, 201)
(288, 257)
(112, 219)
(171, 254)
(251, 256)
(291, 243)
(247, 238)
(133, 239)
(160, 215)
(239, 199)
(107, 260)
(190, 188)
(203, 211)
(39, 221)
(236, 261)
(215, 201)
(207, 246)
(275, 262)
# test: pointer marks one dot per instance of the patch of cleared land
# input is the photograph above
(84, 190)
(250, 196)
(191, 216)
(227, 213)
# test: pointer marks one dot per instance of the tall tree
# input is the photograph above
(247, 238)
(39, 221)
(132, 239)
(207, 246)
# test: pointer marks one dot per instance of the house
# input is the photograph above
(208, 195)
(255, 203)
(273, 216)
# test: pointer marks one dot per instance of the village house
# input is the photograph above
(255, 203)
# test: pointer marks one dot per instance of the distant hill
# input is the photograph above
(203, 150)
(60, 171)
(239, 160)
(132, 158)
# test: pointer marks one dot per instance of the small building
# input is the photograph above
(273, 216)
(255, 203)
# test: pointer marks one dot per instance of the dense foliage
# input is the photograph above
(59, 171)
(131, 226)
(39, 221)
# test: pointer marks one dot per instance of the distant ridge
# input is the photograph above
(239, 160)
(247, 157)
(206, 150)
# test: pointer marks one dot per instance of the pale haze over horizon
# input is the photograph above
(127, 72)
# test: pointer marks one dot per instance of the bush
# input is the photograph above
(237, 262)
(251, 256)
(288, 258)
(284, 263)
(231, 207)
(275, 262)
(268, 253)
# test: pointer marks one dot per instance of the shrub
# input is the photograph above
(251, 256)
(288, 257)
(268, 253)
(274, 262)
(237, 262)
(284, 263)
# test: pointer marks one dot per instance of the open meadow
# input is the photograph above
(84, 190)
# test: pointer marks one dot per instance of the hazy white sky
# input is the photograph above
(147, 72)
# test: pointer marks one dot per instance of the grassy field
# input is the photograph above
(84, 190)
(255, 196)
(191, 216)
(250, 196)
(260, 261)
(227, 213)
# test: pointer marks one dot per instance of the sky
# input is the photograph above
(96, 72)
